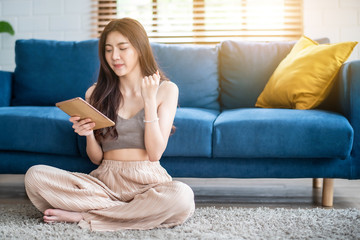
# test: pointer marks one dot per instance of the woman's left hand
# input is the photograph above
(149, 87)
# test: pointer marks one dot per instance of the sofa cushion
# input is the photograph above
(193, 135)
(194, 69)
(37, 129)
(51, 71)
(245, 68)
(282, 133)
(304, 78)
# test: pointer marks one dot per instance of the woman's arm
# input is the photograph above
(85, 128)
(157, 132)
(94, 150)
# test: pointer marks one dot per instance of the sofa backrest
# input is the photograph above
(245, 68)
(194, 68)
(51, 71)
(232, 73)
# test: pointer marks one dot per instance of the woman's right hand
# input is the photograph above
(82, 127)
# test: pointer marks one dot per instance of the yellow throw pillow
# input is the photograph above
(305, 76)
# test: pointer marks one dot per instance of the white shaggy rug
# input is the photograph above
(23, 221)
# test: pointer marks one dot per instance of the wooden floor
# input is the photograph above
(272, 193)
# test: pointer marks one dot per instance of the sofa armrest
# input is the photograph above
(349, 99)
(5, 88)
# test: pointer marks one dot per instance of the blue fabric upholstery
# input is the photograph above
(51, 71)
(282, 133)
(82, 145)
(195, 71)
(244, 142)
(257, 168)
(37, 129)
(349, 98)
(241, 80)
(193, 135)
(5, 88)
(18, 162)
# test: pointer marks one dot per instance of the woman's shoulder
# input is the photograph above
(168, 90)
(168, 86)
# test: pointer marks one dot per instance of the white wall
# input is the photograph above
(338, 20)
(71, 20)
(43, 19)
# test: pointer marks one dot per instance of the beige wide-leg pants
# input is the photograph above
(117, 195)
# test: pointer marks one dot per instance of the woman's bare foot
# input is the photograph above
(58, 215)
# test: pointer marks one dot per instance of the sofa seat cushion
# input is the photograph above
(193, 135)
(282, 133)
(37, 129)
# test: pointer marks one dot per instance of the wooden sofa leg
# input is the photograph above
(316, 182)
(328, 192)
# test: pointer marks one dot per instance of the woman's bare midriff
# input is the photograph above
(127, 154)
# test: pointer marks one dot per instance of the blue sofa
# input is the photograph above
(219, 132)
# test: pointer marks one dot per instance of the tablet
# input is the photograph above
(80, 108)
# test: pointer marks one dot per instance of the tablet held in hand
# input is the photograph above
(80, 108)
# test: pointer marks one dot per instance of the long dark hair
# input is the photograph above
(106, 96)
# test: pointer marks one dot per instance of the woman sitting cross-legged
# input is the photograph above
(129, 189)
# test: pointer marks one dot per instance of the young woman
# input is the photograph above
(130, 189)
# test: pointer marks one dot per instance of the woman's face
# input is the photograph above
(121, 56)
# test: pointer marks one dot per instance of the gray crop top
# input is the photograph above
(130, 133)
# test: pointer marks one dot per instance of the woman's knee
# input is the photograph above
(184, 198)
(34, 176)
